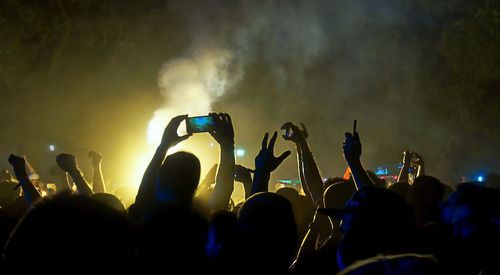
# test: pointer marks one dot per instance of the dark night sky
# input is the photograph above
(419, 75)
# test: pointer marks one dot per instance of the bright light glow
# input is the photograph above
(141, 162)
(240, 152)
(44, 193)
(160, 120)
(174, 149)
(155, 130)
(480, 178)
(52, 148)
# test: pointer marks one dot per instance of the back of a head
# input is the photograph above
(65, 229)
(401, 188)
(424, 197)
(483, 202)
(302, 206)
(414, 264)
(338, 194)
(333, 180)
(426, 189)
(109, 200)
(267, 228)
(179, 175)
(288, 192)
(492, 180)
(376, 220)
(372, 204)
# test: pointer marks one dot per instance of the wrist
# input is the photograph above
(164, 146)
(20, 172)
(354, 161)
(261, 171)
(227, 145)
(74, 172)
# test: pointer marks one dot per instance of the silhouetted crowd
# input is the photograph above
(355, 224)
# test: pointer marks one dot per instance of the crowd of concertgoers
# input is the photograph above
(177, 224)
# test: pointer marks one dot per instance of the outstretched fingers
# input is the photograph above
(264, 141)
(272, 142)
(282, 157)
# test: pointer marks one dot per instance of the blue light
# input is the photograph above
(381, 171)
(240, 152)
(480, 178)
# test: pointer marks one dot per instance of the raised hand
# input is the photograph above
(18, 163)
(351, 147)
(243, 175)
(224, 132)
(352, 154)
(170, 137)
(407, 156)
(265, 160)
(67, 162)
(98, 179)
(296, 134)
(96, 158)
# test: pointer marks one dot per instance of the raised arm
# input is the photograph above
(421, 165)
(243, 175)
(19, 166)
(265, 163)
(310, 175)
(224, 181)
(98, 179)
(403, 173)
(352, 154)
(170, 138)
(203, 189)
(68, 163)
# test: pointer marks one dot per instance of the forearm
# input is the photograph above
(248, 189)
(260, 182)
(359, 174)
(421, 169)
(312, 175)
(224, 181)
(147, 187)
(300, 166)
(98, 182)
(81, 184)
(30, 192)
(203, 189)
(63, 183)
(403, 173)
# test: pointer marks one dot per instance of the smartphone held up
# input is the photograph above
(200, 124)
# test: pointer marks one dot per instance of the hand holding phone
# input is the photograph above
(170, 137)
(223, 131)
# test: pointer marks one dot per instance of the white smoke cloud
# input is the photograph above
(190, 85)
(287, 35)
